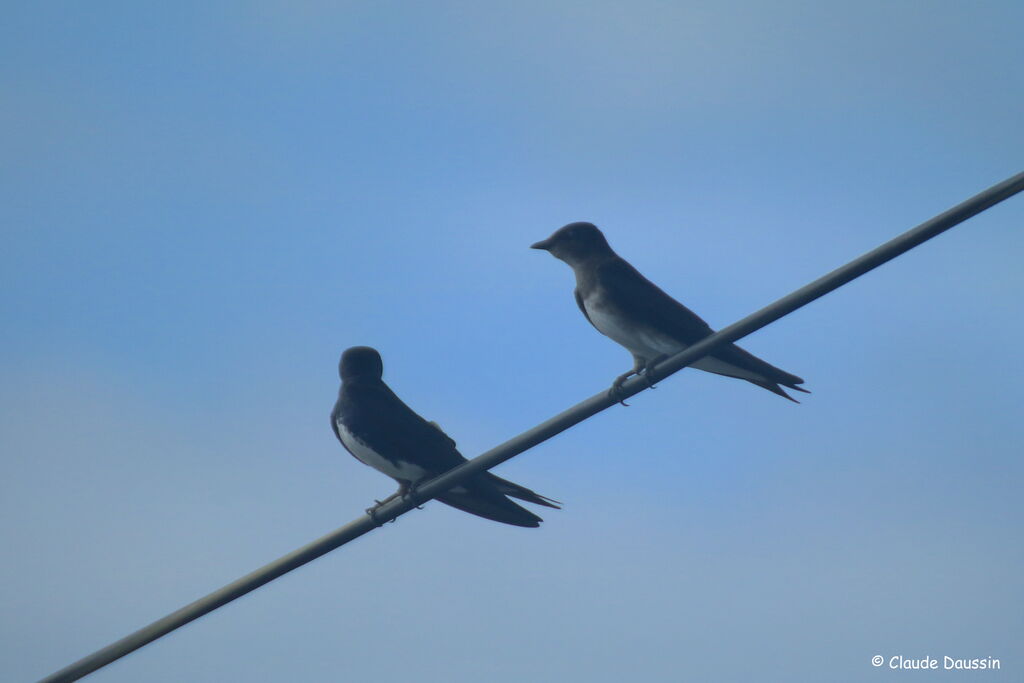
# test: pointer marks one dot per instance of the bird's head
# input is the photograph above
(360, 362)
(575, 243)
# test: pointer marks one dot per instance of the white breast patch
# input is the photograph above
(368, 456)
(649, 344)
(642, 341)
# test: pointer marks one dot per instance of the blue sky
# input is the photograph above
(203, 204)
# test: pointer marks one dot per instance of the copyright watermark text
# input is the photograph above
(945, 662)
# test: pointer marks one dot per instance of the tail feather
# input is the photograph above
(776, 389)
(489, 504)
(522, 493)
(751, 368)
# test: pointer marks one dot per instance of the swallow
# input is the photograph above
(381, 431)
(630, 309)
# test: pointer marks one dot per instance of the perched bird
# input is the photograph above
(624, 305)
(376, 427)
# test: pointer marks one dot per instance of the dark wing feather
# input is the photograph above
(419, 440)
(509, 488)
(483, 501)
(630, 290)
(451, 441)
(737, 356)
(398, 433)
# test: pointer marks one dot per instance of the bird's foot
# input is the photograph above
(615, 391)
(647, 371)
(371, 512)
(409, 495)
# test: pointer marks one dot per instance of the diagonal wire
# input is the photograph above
(531, 437)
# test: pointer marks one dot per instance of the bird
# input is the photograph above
(630, 309)
(381, 431)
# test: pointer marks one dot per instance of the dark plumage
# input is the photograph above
(376, 427)
(630, 309)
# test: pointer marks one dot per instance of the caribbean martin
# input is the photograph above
(624, 305)
(376, 427)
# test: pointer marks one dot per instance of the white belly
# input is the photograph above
(649, 344)
(368, 456)
(641, 341)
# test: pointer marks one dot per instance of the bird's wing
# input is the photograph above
(404, 434)
(426, 443)
(509, 488)
(628, 290)
(734, 355)
(483, 500)
(401, 434)
(436, 426)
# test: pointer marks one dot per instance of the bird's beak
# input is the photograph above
(543, 244)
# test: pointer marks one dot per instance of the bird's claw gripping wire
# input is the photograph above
(615, 392)
(647, 371)
(371, 512)
(409, 495)
(639, 368)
